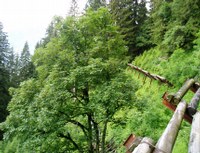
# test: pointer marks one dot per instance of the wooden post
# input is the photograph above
(182, 91)
(145, 146)
(192, 107)
(166, 142)
(194, 144)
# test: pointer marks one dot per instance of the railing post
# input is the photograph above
(166, 142)
(194, 144)
(192, 107)
(145, 146)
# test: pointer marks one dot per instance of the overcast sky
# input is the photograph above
(27, 20)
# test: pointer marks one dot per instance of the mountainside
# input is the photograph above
(83, 98)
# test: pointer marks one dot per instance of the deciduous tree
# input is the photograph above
(81, 84)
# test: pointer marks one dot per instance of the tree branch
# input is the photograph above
(68, 137)
(79, 125)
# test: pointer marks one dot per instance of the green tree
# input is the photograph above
(175, 24)
(95, 4)
(73, 9)
(51, 31)
(13, 68)
(160, 17)
(26, 67)
(4, 76)
(81, 85)
(131, 16)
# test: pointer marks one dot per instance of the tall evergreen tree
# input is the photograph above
(25, 55)
(26, 67)
(95, 4)
(175, 23)
(11, 67)
(4, 76)
(131, 16)
(52, 31)
(73, 9)
(14, 69)
(160, 17)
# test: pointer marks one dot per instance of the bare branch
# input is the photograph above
(151, 76)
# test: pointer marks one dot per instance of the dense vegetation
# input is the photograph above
(77, 94)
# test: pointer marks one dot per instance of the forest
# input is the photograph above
(77, 94)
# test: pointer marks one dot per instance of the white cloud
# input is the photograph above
(27, 20)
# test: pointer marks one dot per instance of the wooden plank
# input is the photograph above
(194, 144)
(193, 105)
(182, 91)
(145, 146)
(166, 142)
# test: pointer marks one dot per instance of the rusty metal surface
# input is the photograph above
(172, 107)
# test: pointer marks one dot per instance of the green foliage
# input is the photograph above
(182, 66)
(175, 38)
(96, 4)
(175, 57)
(26, 67)
(82, 98)
(160, 17)
(52, 31)
(175, 24)
(177, 68)
(81, 85)
(131, 16)
(4, 75)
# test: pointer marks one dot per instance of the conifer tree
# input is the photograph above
(26, 67)
(95, 4)
(175, 23)
(25, 55)
(131, 16)
(51, 32)
(14, 69)
(73, 9)
(4, 76)
(11, 67)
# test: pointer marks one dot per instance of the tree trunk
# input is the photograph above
(194, 144)
(193, 105)
(145, 146)
(103, 143)
(90, 139)
(89, 116)
(182, 91)
(96, 129)
(167, 140)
